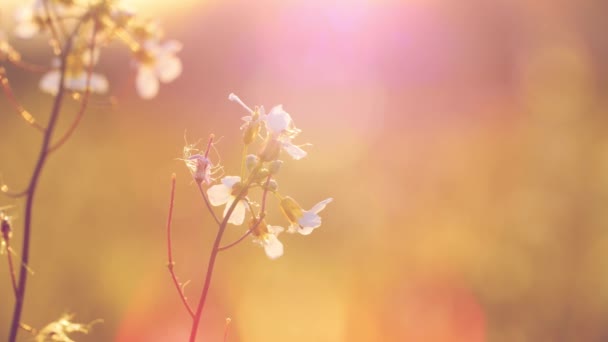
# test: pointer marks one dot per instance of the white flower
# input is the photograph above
(28, 22)
(31, 20)
(225, 193)
(269, 240)
(280, 129)
(157, 63)
(302, 221)
(279, 123)
(58, 331)
(77, 81)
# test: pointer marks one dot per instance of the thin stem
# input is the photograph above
(171, 263)
(55, 41)
(247, 233)
(214, 252)
(20, 297)
(257, 223)
(11, 267)
(207, 203)
(200, 185)
(85, 97)
(6, 192)
(243, 160)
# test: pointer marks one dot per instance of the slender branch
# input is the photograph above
(6, 239)
(207, 203)
(20, 297)
(85, 97)
(55, 41)
(4, 190)
(257, 223)
(200, 185)
(171, 263)
(247, 233)
(215, 251)
(11, 267)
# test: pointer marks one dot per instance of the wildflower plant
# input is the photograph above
(77, 32)
(274, 132)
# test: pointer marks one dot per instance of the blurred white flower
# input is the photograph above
(58, 331)
(50, 82)
(156, 63)
(302, 221)
(280, 130)
(268, 238)
(279, 123)
(29, 21)
(225, 193)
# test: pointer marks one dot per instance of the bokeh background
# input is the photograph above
(464, 143)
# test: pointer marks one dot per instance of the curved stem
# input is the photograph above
(85, 98)
(257, 223)
(11, 267)
(171, 263)
(247, 233)
(207, 203)
(20, 296)
(214, 252)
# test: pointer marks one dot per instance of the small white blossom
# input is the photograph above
(279, 123)
(157, 63)
(280, 128)
(302, 221)
(28, 22)
(224, 193)
(49, 83)
(58, 331)
(269, 240)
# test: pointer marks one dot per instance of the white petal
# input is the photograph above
(146, 83)
(76, 83)
(321, 205)
(26, 29)
(99, 83)
(229, 181)
(171, 47)
(276, 230)
(306, 230)
(309, 220)
(49, 83)
(278, 120)
(168, 68)
(294, 151)
(238, 214)
(293, 228)
(272, 246)
(218, 194)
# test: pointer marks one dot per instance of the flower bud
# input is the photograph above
(271, 150)
(251, 161)
(272, 185)
(291, 209)
(251, 132)
(275, 166)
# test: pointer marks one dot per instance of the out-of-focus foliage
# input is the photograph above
(464, 144)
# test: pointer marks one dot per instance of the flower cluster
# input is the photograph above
(275, 132)
(93, 25)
